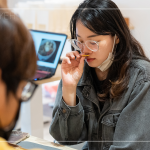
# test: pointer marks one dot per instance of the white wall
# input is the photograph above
(11, 3)
(139, 13)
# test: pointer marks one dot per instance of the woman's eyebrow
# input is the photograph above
(92, 36)
(88, 36)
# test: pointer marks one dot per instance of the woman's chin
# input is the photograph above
(90, 64)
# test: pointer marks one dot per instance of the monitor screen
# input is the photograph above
(49, 47)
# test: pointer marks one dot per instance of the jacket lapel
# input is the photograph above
(88, 89)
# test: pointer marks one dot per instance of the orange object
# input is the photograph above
(84, 55)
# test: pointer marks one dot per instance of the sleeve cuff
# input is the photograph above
(72, 110)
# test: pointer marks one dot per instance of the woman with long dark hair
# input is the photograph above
(104, 95)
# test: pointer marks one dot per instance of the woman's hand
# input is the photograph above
(72, 69)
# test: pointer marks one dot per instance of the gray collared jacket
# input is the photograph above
(122, 124)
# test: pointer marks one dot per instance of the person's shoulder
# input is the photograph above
(142, 65)
(141, 69)
(5, 146)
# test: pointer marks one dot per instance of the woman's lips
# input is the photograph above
(90, 59)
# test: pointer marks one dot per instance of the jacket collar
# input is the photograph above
(88, 91)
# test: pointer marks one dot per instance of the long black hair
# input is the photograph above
(103, 17)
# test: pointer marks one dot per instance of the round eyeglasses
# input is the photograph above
(28, 91)
(90, 44)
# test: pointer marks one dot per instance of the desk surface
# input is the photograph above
(56, 77)
(47, 143)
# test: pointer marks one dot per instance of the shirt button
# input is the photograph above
(64, 111)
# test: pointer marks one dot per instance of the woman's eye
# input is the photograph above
(92, 43)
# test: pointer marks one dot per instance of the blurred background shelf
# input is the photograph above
(50, 15)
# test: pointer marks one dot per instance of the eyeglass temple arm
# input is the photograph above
(74, 45)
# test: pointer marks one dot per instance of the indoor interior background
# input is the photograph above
(136, 10)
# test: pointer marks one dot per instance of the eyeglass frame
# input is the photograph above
(36, 85)
(70, 40)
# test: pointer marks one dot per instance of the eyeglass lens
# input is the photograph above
(92, 45)
(28, 91)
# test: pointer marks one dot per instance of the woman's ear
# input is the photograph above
(117, 40)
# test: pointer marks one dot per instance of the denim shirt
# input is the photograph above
(122, 124)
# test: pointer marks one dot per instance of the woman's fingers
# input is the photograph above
(73, 55)
(81, 64)
(74, 59)
(66, 60)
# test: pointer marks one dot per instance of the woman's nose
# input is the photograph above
(86, 50)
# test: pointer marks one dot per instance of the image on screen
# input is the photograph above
(47, 50)
(48, 47)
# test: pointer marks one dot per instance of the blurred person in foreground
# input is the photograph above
(3, 3)
(17, 67)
